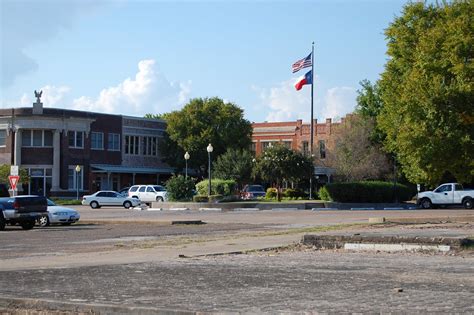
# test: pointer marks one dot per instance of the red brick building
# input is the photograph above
(296, 135)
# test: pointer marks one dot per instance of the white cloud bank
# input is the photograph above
(148, 92)
(285, 103)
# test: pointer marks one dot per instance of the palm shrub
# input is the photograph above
(271, 193)
(179, 188)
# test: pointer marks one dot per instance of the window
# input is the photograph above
(149, 146)
(75, 179)
(97, 140)
(253, 147)
(76, 139)
(40, 181)
(305, 148)
(102, 194)
(458, 187)
(36, 138)
(3, 137)
(142, 189)
(322, 149)
(149, 189)
(114, 142)
(132, 145)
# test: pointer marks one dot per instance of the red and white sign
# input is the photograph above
(13, 181)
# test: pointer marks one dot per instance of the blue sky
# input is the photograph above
(138, 57)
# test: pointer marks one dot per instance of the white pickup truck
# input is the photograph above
(446, 194)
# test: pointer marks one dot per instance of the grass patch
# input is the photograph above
(66, 202)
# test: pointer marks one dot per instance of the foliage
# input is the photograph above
(369, 106)
(427, 90)
(271, 193)
(366, 192)
(279, 163)
(154, 116)
(199, 198)
(179, 188)
(234, 164)
(355, 157)
(225, 187)
(5, 172)
(200, 122)
(294, 193)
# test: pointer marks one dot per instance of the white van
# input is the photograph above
(148, 193)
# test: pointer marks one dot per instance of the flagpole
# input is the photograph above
(312, 126)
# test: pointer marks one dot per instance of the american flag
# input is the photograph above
(302, 63)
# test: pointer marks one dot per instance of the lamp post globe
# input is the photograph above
(209, 150)
(186, 158)
(78, 170)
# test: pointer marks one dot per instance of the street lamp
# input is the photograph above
(186, 157)
(78, 170)
(209, 150)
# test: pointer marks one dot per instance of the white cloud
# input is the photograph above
(339, 101)
(148, 92)
(284, 103)
(52, 97)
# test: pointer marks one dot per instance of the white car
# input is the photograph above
(58, 215)
(148, 193)
(109, 198)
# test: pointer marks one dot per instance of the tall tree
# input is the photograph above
(355, 157)
(200, 122)
(279, 164)
(234, 164)
(427, 91)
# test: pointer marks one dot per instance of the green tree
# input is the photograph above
(179, 188)
(234, 164)
(200, 122)
(427, 91)
(5, 172)
(279, 164)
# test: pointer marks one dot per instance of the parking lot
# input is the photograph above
(128, 259)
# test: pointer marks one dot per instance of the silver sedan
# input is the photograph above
(59, 215)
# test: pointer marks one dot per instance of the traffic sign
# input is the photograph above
(14, 170)
(13, 181)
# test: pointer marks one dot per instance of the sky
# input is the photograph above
(137, 57)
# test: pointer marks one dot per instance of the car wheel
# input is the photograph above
(27, 225)
(43, 221)
(127, 204)
(426, 203)
(467, 203)
(94, 205)
(159, 199)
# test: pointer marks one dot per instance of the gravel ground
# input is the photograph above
(300, 280)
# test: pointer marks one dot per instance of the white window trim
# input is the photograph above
(118, 146)
(75, 139)
(81, 174)
(99, 133)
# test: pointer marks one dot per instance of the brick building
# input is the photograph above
(112, 151)
(296, 135)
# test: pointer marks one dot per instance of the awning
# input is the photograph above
(103, 168)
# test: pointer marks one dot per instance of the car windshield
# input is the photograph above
(256, 188)
(51, 203)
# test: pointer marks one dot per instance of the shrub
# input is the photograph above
(365, 192)
(271, 193)
(199, 198)
(178, 188)
(294, 193)
(215, 198)
(66, 202)
(225, 187)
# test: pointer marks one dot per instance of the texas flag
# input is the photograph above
(306, 79)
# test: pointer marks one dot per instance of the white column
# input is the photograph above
(56, 156)
(17, 148)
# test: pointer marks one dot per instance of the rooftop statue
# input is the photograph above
(38, 96)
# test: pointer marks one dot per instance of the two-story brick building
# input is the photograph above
(296, 135)
(112, 151)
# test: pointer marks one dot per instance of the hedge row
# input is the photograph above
(365, 192)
